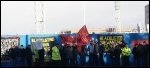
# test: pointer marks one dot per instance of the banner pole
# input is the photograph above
(84, 10)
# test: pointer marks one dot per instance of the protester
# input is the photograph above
(111, 51)
(41, 57)
(96, 53)
(29, 56)
(145, 54)
(36, 57)
(122, 58)
(18, 56)
(22, 50)
(101, 52)
(12, 56)
(51, 44)
(85, 55)
(63, 55)
(117, 52)
(86, 50)
(75, 52)
(69, 54)
(56, 58)
(79, 54)
(91, 56)
(139, 50)
(135, 56)
(126, 51)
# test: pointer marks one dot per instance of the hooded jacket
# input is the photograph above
(126, 51)
(55, 53)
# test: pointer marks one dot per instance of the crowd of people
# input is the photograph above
(19, 56)
(69, 55)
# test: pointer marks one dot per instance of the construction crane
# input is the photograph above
(117, 17)
(39, 17)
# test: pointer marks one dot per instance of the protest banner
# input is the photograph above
(39, 44)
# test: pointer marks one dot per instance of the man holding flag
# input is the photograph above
(82, 38)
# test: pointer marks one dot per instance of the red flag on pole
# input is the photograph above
(84, 35)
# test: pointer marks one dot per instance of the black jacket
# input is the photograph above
(111, 51)
(17, 51)
(23, 53)
(146, 49)
(85, 50)
(101, 49)
(29, 53)
(75, 51)
(69, 52)
(140, 50)
(41, 54)
(134, 52)
(117, 51)
(12, 53)
(63, 52)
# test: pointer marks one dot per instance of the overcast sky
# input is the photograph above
(17, 17)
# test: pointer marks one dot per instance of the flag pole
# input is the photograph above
(84, 10)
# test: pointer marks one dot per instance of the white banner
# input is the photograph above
(39, 44)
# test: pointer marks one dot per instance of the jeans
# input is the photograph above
(70, 62)
(18, 61)
(91, 59)
(86, 60)
(56, 63)
(117, 60)
(126, 62)
(79, 60)
(12, 62)
(22, 61)
(145, 61)
(101, 59)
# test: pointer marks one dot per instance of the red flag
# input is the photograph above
(84, 35)
(66, 39)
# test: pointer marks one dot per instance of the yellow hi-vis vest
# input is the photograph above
(55, 53)
(126, 51)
